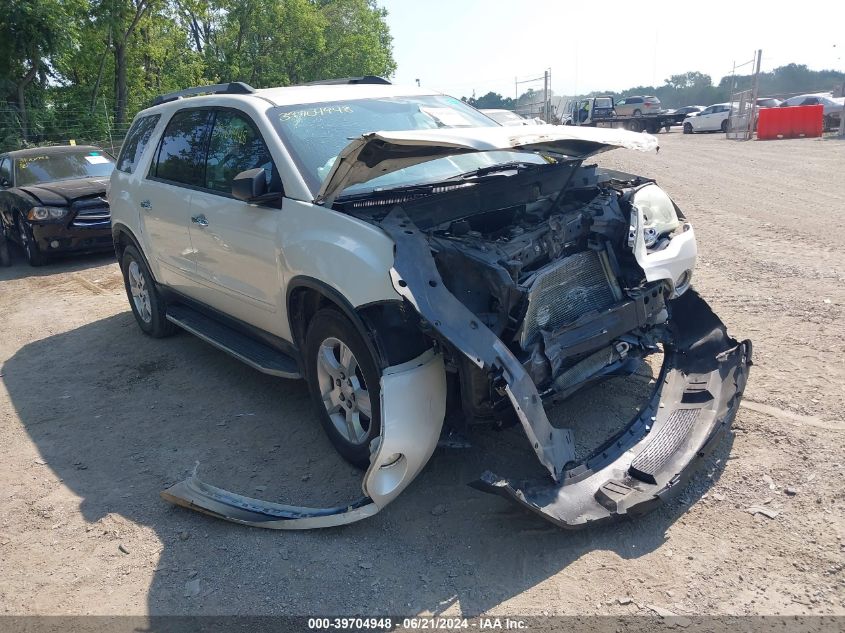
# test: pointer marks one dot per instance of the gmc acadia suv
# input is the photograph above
(409, 258)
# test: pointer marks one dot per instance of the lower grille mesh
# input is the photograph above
(565, 290)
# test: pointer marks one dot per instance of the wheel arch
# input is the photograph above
(122, 237)
(390, 329)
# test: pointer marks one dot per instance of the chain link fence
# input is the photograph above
(53, 126)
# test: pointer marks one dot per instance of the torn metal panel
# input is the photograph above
(415, 277)
(380, 153)
(694, 403)
(413, 405)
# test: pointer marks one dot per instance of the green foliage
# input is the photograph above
(695, 88)
(493, 101)
(97, 62)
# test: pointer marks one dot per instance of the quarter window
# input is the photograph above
(236, 146)
(135, 143)
(5, 171)
(181, 157)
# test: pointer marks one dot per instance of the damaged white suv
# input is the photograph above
(406, 255)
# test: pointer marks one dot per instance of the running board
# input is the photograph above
(246, 349)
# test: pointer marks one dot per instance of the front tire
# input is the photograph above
(637, 113)
(147, 305)
(687, 128)
(343, 380)
(5, 256)
(34, 256)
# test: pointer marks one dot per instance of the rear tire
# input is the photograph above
(34, 256)
(637, 113)
(725, 126)
(147, 304)
(343, 380)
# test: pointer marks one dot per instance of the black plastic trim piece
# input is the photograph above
(348, 310)
(231, 88)
(288, 348)
(341, 81)
(251, 351)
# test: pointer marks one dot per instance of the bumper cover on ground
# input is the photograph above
(696, 398)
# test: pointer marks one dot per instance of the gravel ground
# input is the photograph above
(96, 419)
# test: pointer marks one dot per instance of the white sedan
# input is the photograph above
(713, 118)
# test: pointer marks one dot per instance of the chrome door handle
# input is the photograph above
(199, 219)
(146, 204)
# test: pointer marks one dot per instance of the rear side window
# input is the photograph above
(5, 171)
(236, 146)
(135, 143)
(181, 155)
(634, 100)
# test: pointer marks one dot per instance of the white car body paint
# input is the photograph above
(413, 406)
(580, 142)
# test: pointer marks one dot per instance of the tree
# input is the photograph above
(121, 19)
(493, 101)
(31, 32)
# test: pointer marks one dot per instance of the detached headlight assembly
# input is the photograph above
(45, 214)
(659, 215)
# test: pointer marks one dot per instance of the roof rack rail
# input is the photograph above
(366, 79)
(231, 88)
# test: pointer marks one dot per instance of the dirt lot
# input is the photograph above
(96, 419)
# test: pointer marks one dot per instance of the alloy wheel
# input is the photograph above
(344, 391)
(140, 292)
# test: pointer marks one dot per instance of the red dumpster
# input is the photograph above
(790, 122)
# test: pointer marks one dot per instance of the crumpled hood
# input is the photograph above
(64, 192)
(380, 153)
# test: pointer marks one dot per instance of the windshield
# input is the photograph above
(316, 133)
(38, 168)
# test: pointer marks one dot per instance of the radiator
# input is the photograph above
(566, 289)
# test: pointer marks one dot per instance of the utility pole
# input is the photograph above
(842, 116)
(754, 90)
(546, 96)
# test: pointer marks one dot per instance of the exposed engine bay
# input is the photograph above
(552, 274)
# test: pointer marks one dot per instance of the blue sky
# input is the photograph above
(458, 46)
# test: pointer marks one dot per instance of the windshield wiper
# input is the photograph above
(516, 165)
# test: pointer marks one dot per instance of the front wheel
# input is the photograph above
(34, 256)
(637, 113)
(343, 380)
(147, 304)
(687, 128)
(5, 256)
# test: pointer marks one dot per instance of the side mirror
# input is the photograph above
(250, 185)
